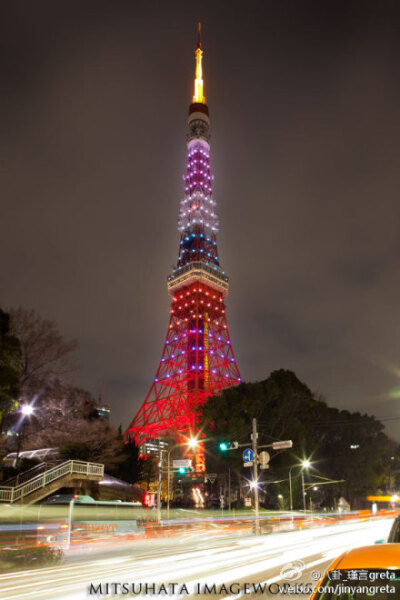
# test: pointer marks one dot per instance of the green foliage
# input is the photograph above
(286, 408)
(130, 467)
(10, 367)
(15, 559)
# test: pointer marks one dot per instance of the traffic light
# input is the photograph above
(182, 470)
(225, 446)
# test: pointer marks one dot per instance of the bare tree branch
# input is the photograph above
(46, 354)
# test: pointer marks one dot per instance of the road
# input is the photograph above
(208, 566)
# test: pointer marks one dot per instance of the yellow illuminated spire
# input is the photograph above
(198, 82)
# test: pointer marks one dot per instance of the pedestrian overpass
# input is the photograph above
(66, 474)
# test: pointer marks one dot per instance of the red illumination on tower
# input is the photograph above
(197, 359)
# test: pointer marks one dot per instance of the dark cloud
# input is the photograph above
(304, 103)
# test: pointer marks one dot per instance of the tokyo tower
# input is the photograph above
(197, 359)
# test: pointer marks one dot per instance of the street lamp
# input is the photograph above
(192, 443)
(26, 410)
(305, 464)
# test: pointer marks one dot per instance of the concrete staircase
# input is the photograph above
(67, 474)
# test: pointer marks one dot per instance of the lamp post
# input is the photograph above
(305, 464)
(192, 443)
(290, 487)
(159, 485)
(26, 410)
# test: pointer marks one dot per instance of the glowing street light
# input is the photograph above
(192, 443)
(304, 464)
(26, 410)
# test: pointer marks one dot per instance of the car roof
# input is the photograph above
(385, 556)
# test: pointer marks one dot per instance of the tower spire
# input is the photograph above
(198, 96)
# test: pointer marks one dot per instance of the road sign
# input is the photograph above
(247, 501)
(185, 462)
(264, 459)
(282, 445)
(248, 464)
(211, 477)
(248, 455)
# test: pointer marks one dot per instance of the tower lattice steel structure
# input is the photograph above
(197, 360)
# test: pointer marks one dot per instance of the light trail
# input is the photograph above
(224, 561)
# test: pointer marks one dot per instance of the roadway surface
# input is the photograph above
(195, 560)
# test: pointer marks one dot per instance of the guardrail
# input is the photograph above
(78, 467)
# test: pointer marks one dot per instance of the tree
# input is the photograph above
(131, 466)
(11, 367)
(340, 444)
(65, 417)
(46, 355)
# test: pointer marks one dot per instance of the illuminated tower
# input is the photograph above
(197, 359)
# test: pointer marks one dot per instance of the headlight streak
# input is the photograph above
(221, 563)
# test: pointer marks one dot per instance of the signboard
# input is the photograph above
(282, 445)
(248, 464)
(149, 499)
(184, 462)
(247, 501)
(248, 455)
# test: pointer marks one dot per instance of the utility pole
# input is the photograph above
(229, 488)
(251, 458)
(254, 437)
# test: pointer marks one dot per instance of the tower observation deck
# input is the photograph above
(197, 359)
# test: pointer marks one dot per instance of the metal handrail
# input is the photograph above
(14, 494)
(27, 475)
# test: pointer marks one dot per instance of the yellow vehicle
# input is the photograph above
(362, 574)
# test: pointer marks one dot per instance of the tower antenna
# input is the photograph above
(198, 95)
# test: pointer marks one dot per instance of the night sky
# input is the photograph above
(304, 104)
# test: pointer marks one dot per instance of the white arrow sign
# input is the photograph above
(248, 455)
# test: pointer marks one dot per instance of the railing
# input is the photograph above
(27, 475)
(14, 494)
(214, 270)
(199, 270)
